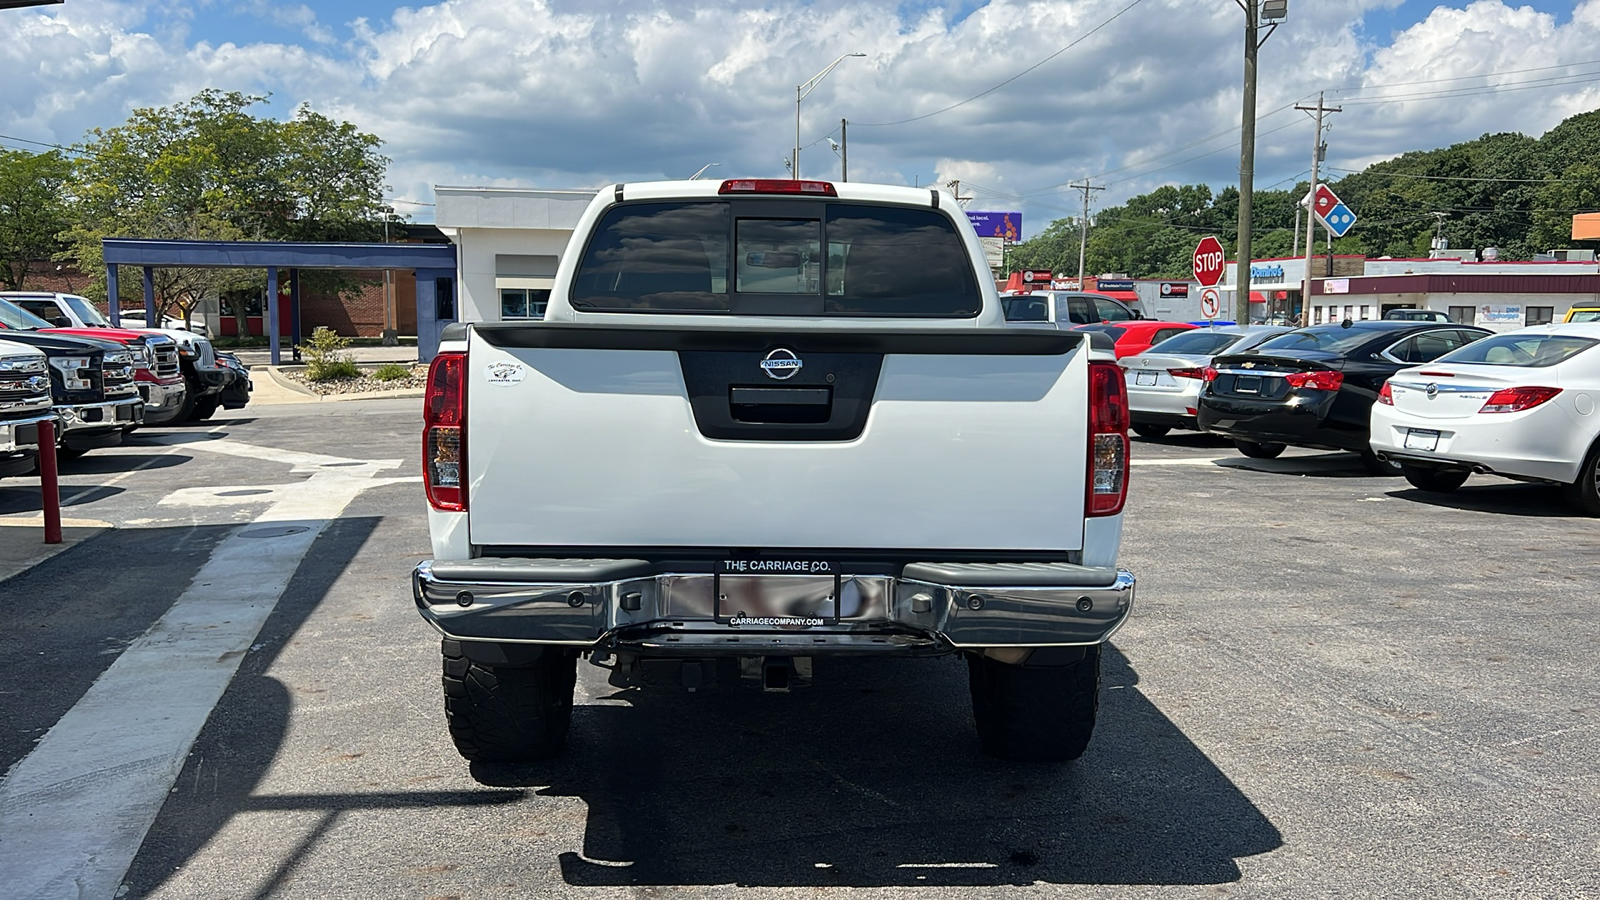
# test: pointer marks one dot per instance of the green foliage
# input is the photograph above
(32, 211)
(209, 169)
(327, 357)
(1509, 191)
(391, 372)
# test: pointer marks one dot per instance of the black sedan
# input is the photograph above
(1314, 387)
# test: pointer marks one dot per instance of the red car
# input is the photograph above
(1138, 335)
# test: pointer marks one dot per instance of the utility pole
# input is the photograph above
(955, 191)
(1255, 12)
(1318, 150)
(1438, 231)
(844, 149)
(1083, 225)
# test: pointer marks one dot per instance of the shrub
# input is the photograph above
(326, 358)
(391, 372)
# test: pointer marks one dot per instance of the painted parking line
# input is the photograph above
(74, 812)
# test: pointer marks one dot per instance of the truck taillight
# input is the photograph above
(1517, 399)
(777, 186)
(444, 433)
(1108, 440)
(1386, 395)
(1317, 381)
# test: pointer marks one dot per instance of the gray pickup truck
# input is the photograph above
(763, 424)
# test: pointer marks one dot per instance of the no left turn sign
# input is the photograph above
(1210, 303)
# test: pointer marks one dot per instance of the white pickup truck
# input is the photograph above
(763, 423)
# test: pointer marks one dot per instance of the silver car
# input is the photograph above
(1164, 382)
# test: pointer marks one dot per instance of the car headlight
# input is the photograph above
(119, 358)
(70, 367)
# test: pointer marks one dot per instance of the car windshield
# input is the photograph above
(14, 316)
(1529, 350)
(87, 312)
(1200, 342)
(1328, 338)
(1585, 315)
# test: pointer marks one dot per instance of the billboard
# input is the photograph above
(1006, 225)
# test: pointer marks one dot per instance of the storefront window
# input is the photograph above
(523, 303)
(1539, 315)
(1463, 315)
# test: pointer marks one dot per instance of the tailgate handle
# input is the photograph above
(775, 405)
(745, 396)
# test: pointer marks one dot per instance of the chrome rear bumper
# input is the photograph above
(929, 607)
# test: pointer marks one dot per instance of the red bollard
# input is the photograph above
(49, 487)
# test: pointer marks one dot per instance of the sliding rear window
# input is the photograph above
(766, 257)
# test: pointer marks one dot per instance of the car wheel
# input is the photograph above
(1439, 481)
(1042, 714)
(1151, 431)
(508, 713)
(1585, 492)
(64, 452)
(1258, 450)
(186, 408)
(1378, 466)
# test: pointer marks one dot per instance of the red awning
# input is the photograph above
(1257, 297)
(1124, 296)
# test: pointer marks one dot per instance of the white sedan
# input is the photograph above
(1520, 404)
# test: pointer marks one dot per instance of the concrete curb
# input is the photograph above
(286, 390)
(289, 384)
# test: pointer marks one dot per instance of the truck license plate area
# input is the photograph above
(776, 593)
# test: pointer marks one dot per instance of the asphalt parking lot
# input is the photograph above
(1332, 686)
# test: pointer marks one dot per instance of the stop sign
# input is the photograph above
(1209, 262)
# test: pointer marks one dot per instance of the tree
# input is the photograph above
(208, 169)
(32, 211)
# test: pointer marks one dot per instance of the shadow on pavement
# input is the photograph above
(873, 778)
(1323, 465)
(1199, 440)
(23, 495)
(1544, 501)
(104, 464)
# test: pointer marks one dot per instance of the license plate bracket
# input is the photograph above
(773, 592)
(1144, 377)
(1247, 384)
(1422, 439)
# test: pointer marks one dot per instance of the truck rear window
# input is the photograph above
(770, 258)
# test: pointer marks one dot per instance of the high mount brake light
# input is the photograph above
(1386, 395)
(444, 433)
(1108, 440)
(777, 186)
(1317, 381)
(1517, 399)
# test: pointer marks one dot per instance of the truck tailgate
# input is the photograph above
(583, 436)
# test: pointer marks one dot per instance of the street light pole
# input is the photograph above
(801, 91)
(1254, 12)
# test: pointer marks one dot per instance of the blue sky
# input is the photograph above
(580, 93)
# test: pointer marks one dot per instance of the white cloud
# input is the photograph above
(561, 93)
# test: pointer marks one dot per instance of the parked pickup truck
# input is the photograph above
(95, 398)
(24, 403)
(188, 383)
(763, 423)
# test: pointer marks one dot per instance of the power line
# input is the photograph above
(1080, 39)
(1366, 87)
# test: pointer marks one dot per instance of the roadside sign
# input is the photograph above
(1332, 211)
(1339, 219)
(1030, 276)
(1210, 303)
(1209, 261)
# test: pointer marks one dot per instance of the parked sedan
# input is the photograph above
(1519, 404)
(1314, 387)
(1164, 382)
(1139, 335)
